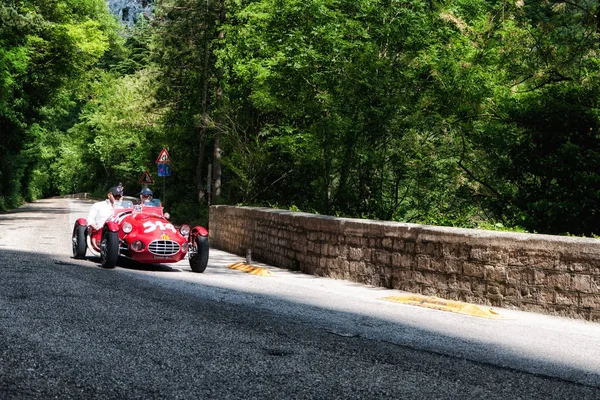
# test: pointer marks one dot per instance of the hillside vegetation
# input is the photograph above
(472, 113)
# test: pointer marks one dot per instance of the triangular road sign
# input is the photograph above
(146, 179)
(163, 157)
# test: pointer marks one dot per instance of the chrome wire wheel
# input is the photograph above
(103, 250)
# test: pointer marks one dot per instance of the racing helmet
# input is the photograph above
(146, 195)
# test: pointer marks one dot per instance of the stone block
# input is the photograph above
(512, 301)
(495, 273)
(494, 289)
(594, 316)
(433, 249)
(382, 257)
(368, 254)
(333, 263)
(356, 267)
(369, 268)
(387, 244)
(355, 253)
(437, 264)
(489, 255)
(409, 286)
(334, 251)
(478, 288)
(423, 262)
(419, 277)
(539, 276)
(545, 296)
(402, 275)
(534, 307)
(316, 248)
(581, 283)
(496, 300)
(572, 264)
(403, 260)
(456, 250)
(429, 291)
(398, 245)
(463, 283)
(452, 265)
(590, 301)
(539, 259)
(474, 270)
(355, 241)
(512, 291)
(566, 298)
(559, 280)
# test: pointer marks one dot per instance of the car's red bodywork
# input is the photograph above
(144, 235)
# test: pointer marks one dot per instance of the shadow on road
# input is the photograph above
(127, 263)
(19, 271)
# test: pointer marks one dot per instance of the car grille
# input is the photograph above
(163, 247)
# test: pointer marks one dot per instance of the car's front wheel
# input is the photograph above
(199, 254)
(79, 243)
(109, 249)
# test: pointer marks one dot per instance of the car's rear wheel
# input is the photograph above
(199, 254)
(79, 243)
(109, 249)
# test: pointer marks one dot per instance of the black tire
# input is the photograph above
(79, 243)
(109, 249)
(199, 257)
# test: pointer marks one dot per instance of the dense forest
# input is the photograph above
(472, 113)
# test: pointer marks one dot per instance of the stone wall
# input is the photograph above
(542, 273)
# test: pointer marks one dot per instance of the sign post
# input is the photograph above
(164, 169)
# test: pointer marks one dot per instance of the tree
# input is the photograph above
(46, 52)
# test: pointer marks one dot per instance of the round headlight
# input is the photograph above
(127, 227)
(184, 247)
(138, 245)
(184, 230)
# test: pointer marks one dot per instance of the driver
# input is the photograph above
(146, 197)
(101, 210)
(147, 200)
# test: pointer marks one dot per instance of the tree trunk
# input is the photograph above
(204, 118)
(217, 171)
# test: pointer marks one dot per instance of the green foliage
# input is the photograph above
(46, 52)
(472, 113)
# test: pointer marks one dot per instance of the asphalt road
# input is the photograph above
(72, 330)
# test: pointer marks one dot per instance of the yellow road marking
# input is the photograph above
(250, 269)
(445, 305)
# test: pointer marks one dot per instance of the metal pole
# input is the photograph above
(209, 184)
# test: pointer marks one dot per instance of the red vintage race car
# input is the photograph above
(144, 234)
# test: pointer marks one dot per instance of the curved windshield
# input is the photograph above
(124, 204)
(152, 203)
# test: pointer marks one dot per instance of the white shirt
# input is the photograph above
(100, 212)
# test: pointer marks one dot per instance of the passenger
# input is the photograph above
(101, 210)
